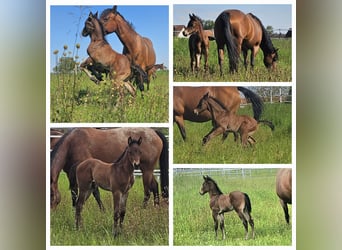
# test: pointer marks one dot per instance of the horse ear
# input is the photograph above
(129, 140)
(140, 140)
(206, 95)
(115, 7)
(96, 14)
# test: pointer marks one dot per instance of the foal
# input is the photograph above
(116, 177)
(221, 203)
(100, 52)
(224, 121)
(198, 42)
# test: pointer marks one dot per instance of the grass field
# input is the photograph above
(271, 146)
(141, 227)
(75, 98)
(194, 226)
(182, 71)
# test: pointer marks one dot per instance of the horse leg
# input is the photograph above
(90, 75)
(206, 52)
(244, 222)
(249, 219)
(123, 202)
(221, 221)
(155, 191)
(215, 217)
(286, 211)
(211, 134)
(220, 55)
(116, 200)
(244, 53)
(84, 195)
(180, 123)
(96, 194)
(150, 184)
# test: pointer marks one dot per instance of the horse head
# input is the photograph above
(271, 58)
(194, 25)
(108, 20)
(89, 25)
(202, 104)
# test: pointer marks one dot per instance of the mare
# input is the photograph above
(185, 100)
(242, 32)
(198, 42)
(220, 203)
(120, 69)
(106, 145)
(116, 177)
(284, 189)
(138, 49)
(224, 121)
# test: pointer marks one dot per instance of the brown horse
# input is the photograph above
(100, 52)
(198, 42)
(115, 177)
(224, 121)
(55, 135)
(185, 100)
(106, 145)
(284, 189)
(241, 32)
(138, 49)
(220, 203)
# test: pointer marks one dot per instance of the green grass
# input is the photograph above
(75, 98)
(271, 147)
(142, 227)
(194, 226)
(183, 73)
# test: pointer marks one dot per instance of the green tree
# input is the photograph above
(208, 24)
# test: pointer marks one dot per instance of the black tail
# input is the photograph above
(248, 204)
(164, 165)
(268, 123)
(256, 101)
(233, 53)
(139, 75)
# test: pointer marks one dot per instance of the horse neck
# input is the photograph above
(215, 108)
(97, 34)
(126, 34)
(123, 163)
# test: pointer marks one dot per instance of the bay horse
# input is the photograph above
(198, 42)
(220, 203)
(116, 177)
(138, 49)
(79, 144)
(224, 121)
(242, 32)
(121, 71)
(185, 100)
(284, 189)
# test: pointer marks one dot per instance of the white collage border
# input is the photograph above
(170, 3)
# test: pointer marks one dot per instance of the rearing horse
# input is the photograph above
(138, 49)
(101, 52)
(198, 42)
(241, 32)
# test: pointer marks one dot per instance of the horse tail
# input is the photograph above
(257, 103)
(164, 165)
(233, 52)
(139, 75)
(248, 204)
(268, 123)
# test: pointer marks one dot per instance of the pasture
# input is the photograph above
(194, 226)
(143, 227)
(75, 98)
(270, 147)
(182, 71)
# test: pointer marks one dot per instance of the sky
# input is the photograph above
(67, 22)
(279, 16)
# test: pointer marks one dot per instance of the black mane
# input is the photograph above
(212, 180)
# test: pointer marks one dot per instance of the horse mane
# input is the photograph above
(124, 152)
(110, 10)
(219, 102)
(266, 44)
(58, 144)
(198, 18)
(213, 181)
